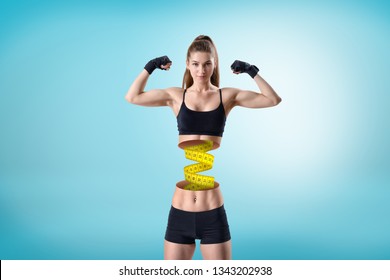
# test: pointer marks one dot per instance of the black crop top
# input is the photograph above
(199, 122)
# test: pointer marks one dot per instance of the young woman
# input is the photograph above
(201, 109)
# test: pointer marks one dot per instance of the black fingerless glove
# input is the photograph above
(156, 63)
(244, 67)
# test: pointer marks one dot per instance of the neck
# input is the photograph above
(202, 87)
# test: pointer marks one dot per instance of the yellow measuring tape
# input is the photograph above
(198, 153)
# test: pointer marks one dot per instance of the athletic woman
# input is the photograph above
(201, 109)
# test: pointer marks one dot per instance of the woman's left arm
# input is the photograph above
(267, 97)
(250, 99)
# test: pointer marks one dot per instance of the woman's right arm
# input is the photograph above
(156, 97)
(137, 95)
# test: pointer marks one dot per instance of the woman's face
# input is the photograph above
(201, 66)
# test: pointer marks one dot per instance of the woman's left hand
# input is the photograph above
(239, 67)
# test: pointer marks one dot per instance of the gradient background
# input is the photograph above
(85, 175)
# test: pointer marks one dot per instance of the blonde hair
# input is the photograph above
(202, 43)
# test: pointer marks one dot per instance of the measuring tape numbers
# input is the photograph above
(205, 162)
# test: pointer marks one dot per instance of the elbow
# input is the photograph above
(277, 101)
(130, 99)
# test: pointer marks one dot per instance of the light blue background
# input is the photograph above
(85, 175)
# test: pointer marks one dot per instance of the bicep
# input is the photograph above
(251, 99)
(154, 97)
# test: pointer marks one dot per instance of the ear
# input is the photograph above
(187, 64)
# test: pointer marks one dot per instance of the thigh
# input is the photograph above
(218, 251)
(176, 251)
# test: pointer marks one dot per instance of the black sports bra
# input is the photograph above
(199, 122)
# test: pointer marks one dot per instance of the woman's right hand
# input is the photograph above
(155, 97)
(162, 62)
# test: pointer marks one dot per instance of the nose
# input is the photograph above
(202, 69)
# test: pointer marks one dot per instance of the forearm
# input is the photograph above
(138, 86)
(267, 90)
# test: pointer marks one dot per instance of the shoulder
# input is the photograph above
(229, 92)
(229, 96)
(176, 95)
(174, 91)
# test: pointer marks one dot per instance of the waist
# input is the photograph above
(196, 201)
(189, 140)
